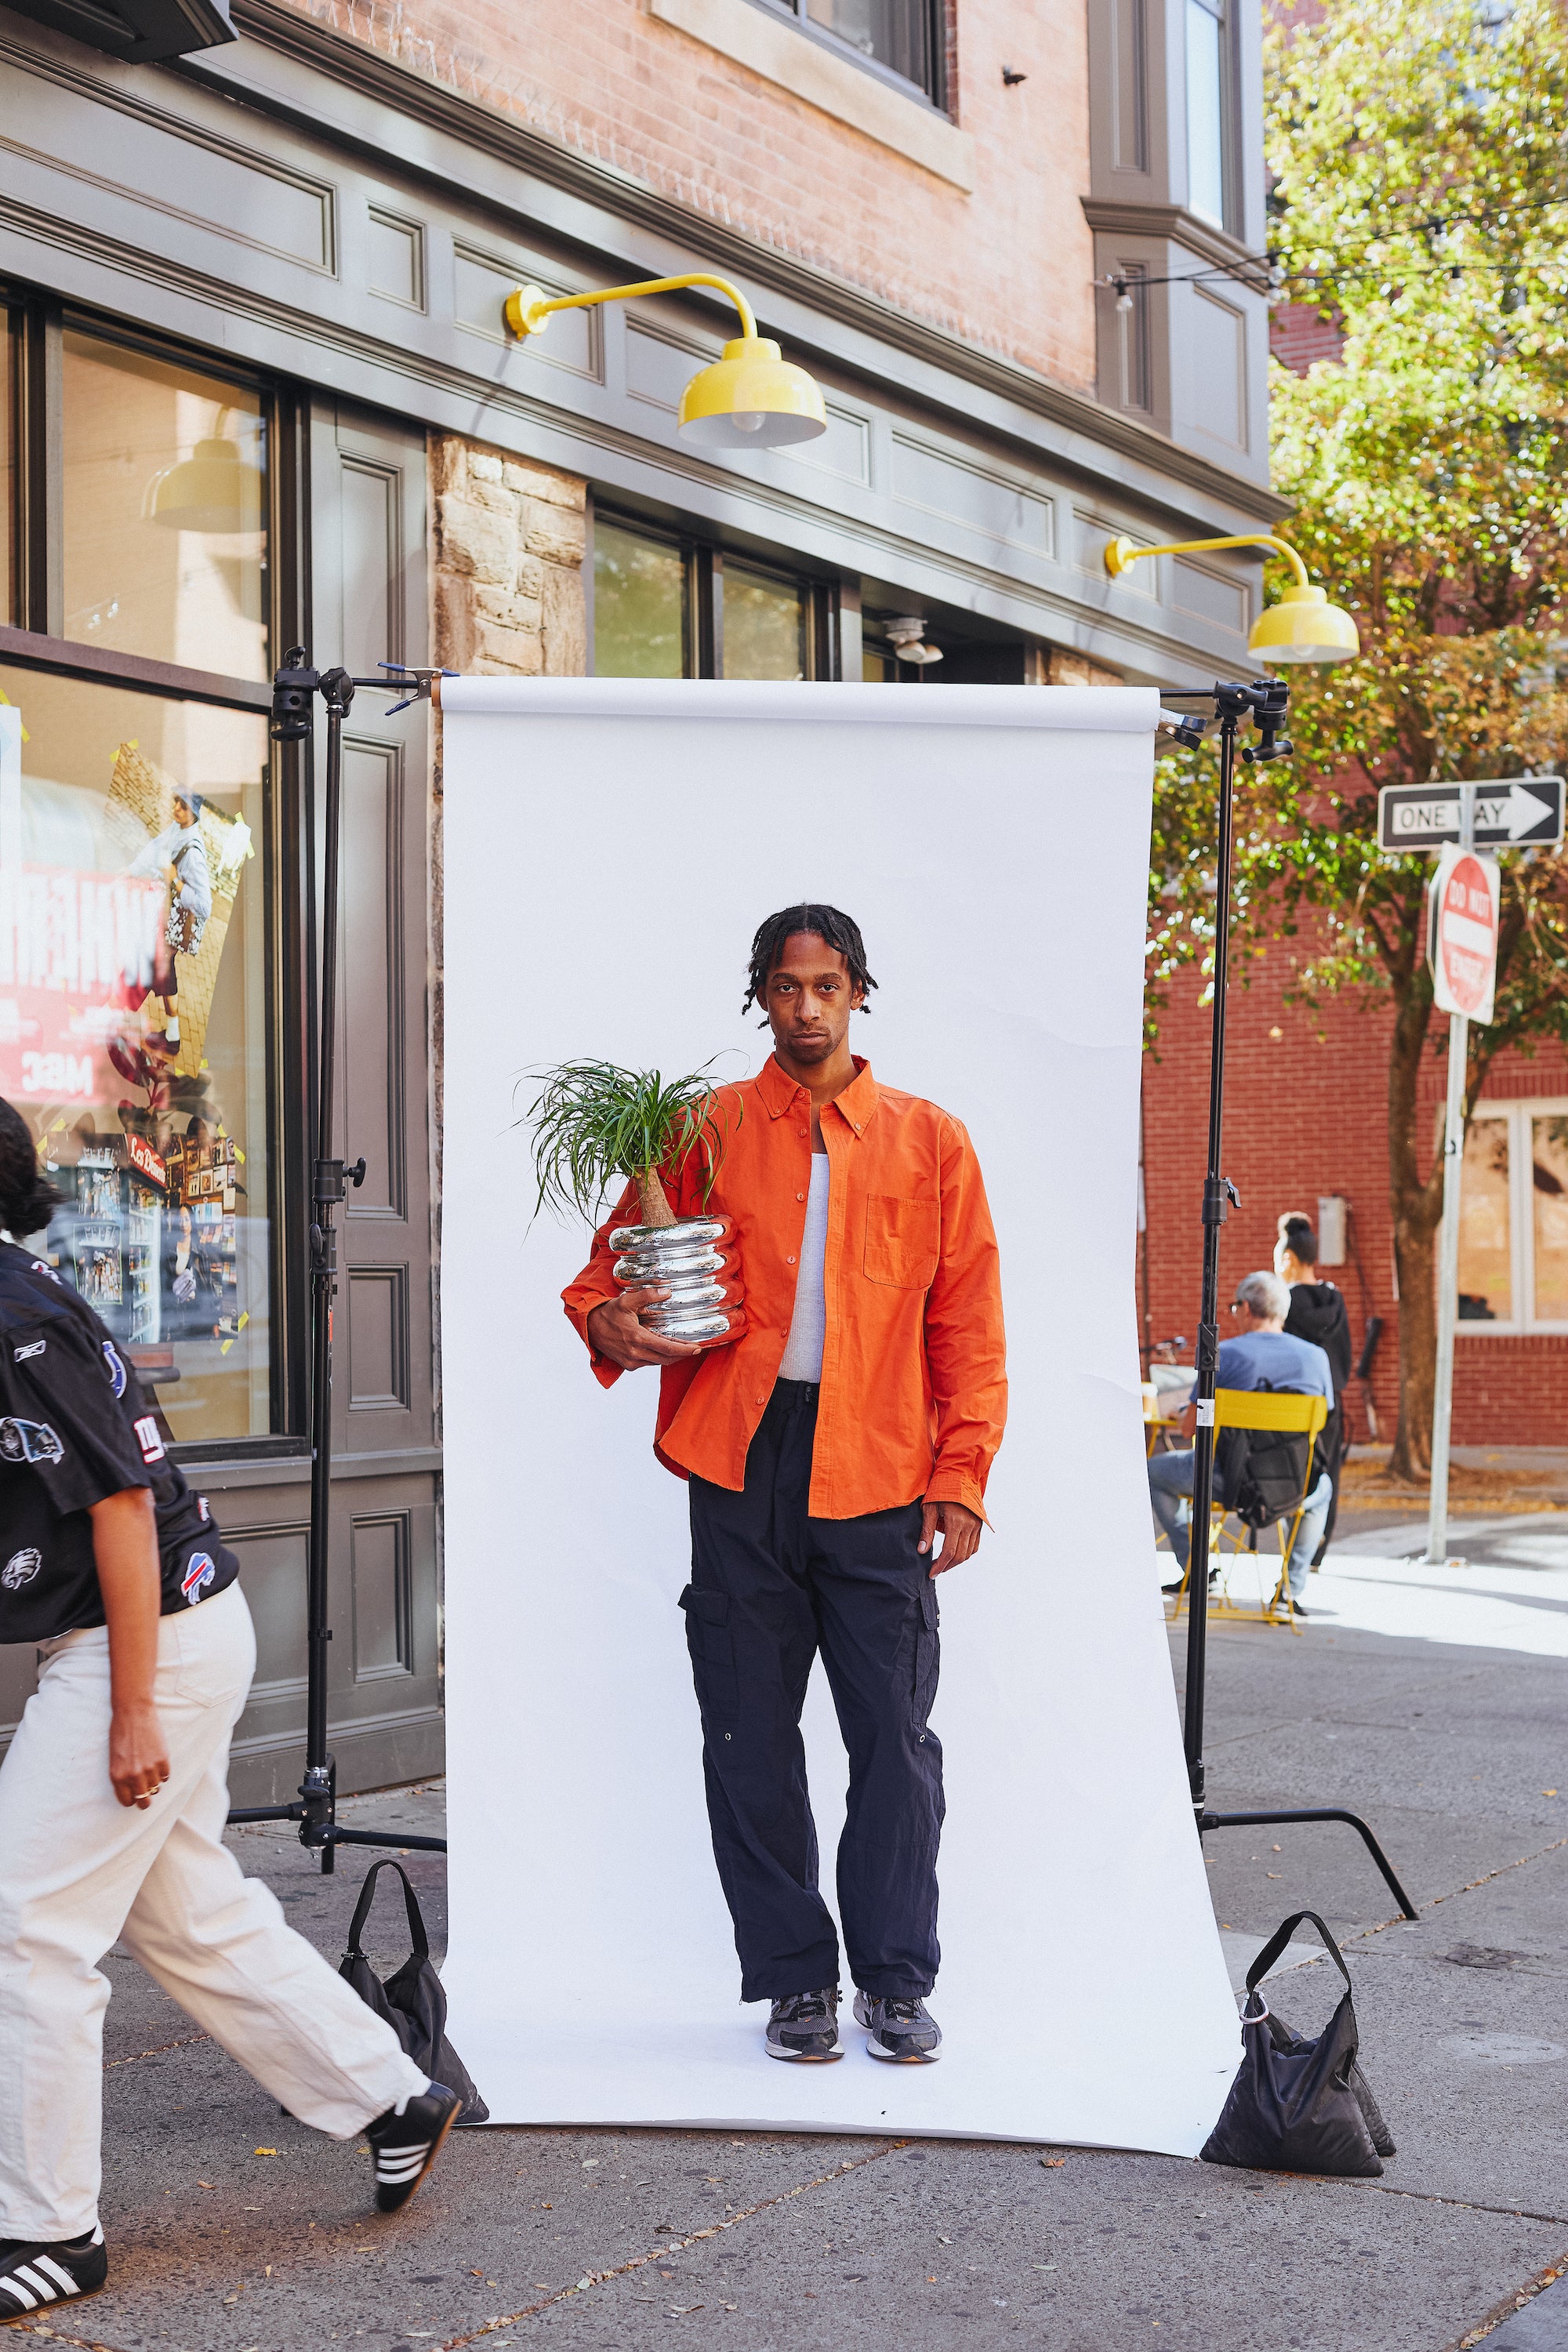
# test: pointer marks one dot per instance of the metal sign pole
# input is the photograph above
(1448, 1252)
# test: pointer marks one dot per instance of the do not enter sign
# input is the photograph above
(1465, 895)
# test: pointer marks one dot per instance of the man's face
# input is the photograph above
(185, 815)
(809, 998)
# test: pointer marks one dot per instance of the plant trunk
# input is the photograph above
(655, 1208)
(1416, 1205)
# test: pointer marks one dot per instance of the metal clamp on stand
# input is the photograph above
(294, 690)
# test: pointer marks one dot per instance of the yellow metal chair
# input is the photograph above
(1156, 1424)
(1259, 1408)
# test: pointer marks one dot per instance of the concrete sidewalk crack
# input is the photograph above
(187, 2042)
(1360, 1934)
(1463, 2204)
(640, 2262)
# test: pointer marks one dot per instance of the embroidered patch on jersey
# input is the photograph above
(148, 1439)
(20, 1355)
(116, 1368)
(21, 1568)
(203, 1508)
(29, 1441)
(200, 1571)
(40, 1267)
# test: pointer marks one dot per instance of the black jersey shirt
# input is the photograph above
(75, 1427)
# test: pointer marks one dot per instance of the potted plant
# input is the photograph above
(594, 1121)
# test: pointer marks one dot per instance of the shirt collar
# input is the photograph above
(857, 1102)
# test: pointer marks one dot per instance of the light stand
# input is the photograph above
(294, 687)
(1263, 703)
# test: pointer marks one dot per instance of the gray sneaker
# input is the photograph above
(900, 2028)
(804, 2025)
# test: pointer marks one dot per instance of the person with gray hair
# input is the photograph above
(1262, 1354)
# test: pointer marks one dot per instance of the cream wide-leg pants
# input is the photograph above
(78, 1869)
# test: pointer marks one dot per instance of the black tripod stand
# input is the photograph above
(1264, 703)
(294, 687)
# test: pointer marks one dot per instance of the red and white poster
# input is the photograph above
(1465, 892)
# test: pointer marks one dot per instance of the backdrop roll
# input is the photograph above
(610, 847)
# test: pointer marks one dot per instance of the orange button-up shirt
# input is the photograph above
(914, 1389)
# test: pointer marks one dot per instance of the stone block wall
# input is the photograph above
(507, 538)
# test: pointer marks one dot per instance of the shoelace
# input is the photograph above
(802, 2006)
(900, 2012)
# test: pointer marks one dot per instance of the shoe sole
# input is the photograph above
(438, 2144)
(805, 2057)
(902, 2057)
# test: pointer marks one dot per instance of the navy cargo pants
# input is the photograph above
(770, 1587)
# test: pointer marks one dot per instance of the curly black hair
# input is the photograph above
(26, 1196)
(834, 929)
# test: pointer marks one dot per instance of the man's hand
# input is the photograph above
(960, 1533)
(616, 1331)
(138, 1754)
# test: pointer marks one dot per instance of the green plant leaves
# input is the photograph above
(594, 1121)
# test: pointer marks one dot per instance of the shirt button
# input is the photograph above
(789, 1261)
(800, 1196)
(803, 1131)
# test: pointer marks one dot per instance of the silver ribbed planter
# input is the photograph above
(683, 1256)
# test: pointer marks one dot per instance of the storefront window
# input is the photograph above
(765, 625)
(1549, 1191)
(1486, 1254)
(164, 498)
(1207, 80)
(133, 996)
(639, 589)
(7, 467)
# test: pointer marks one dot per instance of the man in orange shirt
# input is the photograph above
(852, 1422)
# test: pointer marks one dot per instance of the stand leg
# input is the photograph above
(1207, 1821)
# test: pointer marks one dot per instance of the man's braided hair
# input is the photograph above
(834, 929)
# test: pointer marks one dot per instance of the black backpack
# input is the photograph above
(1262, 1471)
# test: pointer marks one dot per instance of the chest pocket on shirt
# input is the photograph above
(901, 1240)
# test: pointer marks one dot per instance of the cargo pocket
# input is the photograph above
(927, 1653)
(712, 1648)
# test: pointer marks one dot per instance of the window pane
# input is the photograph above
(639, 594)
(165, 512)
(1549, 1176)
(1205, 113)
(897, 33)
(763, 626)
(1486, 1266)
(159, 1147)
(8, 468)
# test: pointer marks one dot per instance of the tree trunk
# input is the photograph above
(655, 1208)
(1415, 1203)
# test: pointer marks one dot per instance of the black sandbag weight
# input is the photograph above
(1299, 2103)
(412, 2000)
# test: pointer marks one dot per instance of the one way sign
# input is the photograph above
(1511, 812)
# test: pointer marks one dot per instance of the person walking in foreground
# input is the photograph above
(114, 1794)
(853, 1421)
(1318, 1313)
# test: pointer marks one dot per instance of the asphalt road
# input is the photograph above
(1436, 1707)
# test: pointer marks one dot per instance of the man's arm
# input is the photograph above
(966, 1352)
(125, 1549)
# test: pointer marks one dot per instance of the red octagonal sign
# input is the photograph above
(1467, 937)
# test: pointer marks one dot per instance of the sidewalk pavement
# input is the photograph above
(1432, 1701)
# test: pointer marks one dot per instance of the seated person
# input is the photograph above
(1262, 1351)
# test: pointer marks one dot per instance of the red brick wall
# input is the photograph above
(1306, 1096)
(1010, 266)
(1299, 334)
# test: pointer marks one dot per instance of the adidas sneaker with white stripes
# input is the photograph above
(405, 2145)
(34, 2277)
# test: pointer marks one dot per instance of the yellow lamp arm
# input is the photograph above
(1120, 553)
(527, 308)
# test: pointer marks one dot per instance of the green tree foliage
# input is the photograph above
(1418, 151)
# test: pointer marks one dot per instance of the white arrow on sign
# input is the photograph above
(1519, 808)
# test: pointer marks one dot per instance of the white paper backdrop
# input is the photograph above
(992, 842)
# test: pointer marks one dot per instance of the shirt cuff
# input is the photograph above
(957, 1486)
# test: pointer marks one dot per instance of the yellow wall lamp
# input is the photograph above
(1303, 626)
(753, 398)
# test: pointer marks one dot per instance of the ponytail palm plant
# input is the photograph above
(594, 1121)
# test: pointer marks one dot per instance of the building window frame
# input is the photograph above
(1223, 14)
(933, 93)
(702, 596)
(1517, 1113)
(32, 638)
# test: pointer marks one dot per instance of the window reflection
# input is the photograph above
(1486, 1256)
(639, 589)
(1205, 110)
(897, 33)
(1549, 1192)
(765, 626)
(132, 999)
(165, 511)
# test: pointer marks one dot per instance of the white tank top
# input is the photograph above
(808, 1324)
